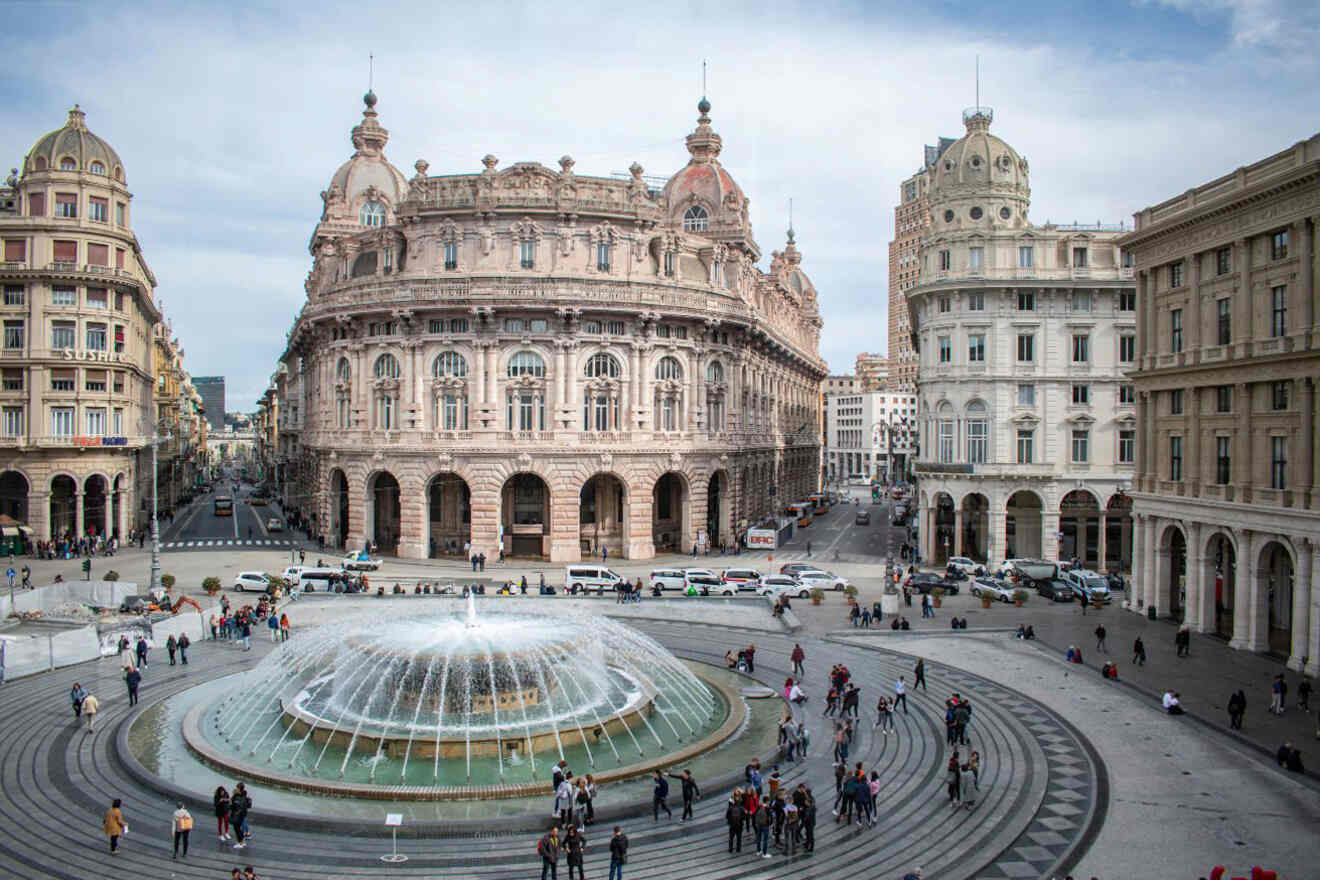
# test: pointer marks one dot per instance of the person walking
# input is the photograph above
(884, 716)
(76, 695)
(181, 824)
(114, 825)
(809, 822)
(1279, 694)
(1083, 601)
(1182, 640)
(690, 792)
(900, 694)
(735, 815)
(920, 672)
(132, 678)
(1138, 652)
(1100, 639)
(548, 849)
(184, 642)
(171, 647)
(797, 657)
(90, 705)
(618, 853)
(574, 844)
(659, 797)
(142, 649)
(1237, 707)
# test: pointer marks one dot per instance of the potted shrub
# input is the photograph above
(851, 592)
(211, 585)
(111, 575)
(1019, 596)
(817, 595)
(985, 601)
(937, 596)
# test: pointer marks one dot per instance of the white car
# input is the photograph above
(274, 524)
(356, 562)
(782, 584)
(667, 578)
(701, 571)
(1095, 587)
(999, 591)
(966, 566)
(292, 574)
(826, 580)
(702, 583)
(251, 580)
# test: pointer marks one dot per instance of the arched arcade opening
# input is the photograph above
(525, 516)
(603, 517)
(669, 513)
(448, 516)
(1022, 525)
(383, 512)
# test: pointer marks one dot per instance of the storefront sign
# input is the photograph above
(100, 441)
(101, 356)
(761, 539)
(114, 441)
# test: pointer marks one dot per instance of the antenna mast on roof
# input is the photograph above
(703, 77)
(371, 71)
(978, 81)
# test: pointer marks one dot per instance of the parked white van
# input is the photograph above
(318, 578)
(668, 579)
(591, 577)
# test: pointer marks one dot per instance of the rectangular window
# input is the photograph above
(1127, 394)
(1175, 275)
(1175, 330)
(98, 209)
(1026, 257)
(1278, 462)
(119, 301)
(1224, 320)
(66, 205)
(515, 325)
(614, 328)
(680, 332)
(976, 302)
(1026, 395)
(669, 264)
(1224, 398)
(661, 330)
(15, 295)
(96, 340)
(65, 251)
(1026, 348)
(63, 334)
(1127, 300)
(976, 258)
(526, 254)
(946, 261)
(602, 257)
(946, 350)
(1081, 301)
(389, 259)
(977, 441)
(118, 385)
(13, 421)
(12, 380)
(15, 250)
(1223, 261)
(1279, 245)
(37, 205)
(945, 304)
(1025, 451)
(121, 213)
(1127, 447)
(1081, 348)
(1176, 402)
(1279, 395)
(1223, 461)
(538, 325)
(1079, 258)
(117, 423)
(451, 255)
(95, 417)
(1081, 395)
(1279, 311)
(976, 348)
(94, 380)
(97, 299)
(1127, 349)
(1175, 459)
(1026, 302)
(61, 421)
(454, 416)
(946, 441)
(14, 335)
(119, 338)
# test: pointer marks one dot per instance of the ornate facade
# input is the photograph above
(1228, 356)
(542, 362)
(1024, 332)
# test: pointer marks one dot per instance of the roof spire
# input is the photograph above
(370, 97)
(704, 144)
(790, 220)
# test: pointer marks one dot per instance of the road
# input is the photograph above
(198, 528)
(838, 533)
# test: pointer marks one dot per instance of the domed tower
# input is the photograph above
(702, 197)
(980, 182)
(74, 148)
(366, 190)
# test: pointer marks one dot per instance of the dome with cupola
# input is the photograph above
(980, 182)
(365, 190)
(702, 198)
(74, 148)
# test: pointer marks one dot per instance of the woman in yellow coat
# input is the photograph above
(114, 825)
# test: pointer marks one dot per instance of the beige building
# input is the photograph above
(77, 359)
(542, 362)
(1025, 333)
(1228, 359)
(872, 370)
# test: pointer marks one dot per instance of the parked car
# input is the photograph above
(863, 518)
(1094, 586)
(741, 578)
(922, 582)
(292, 574)
(996, 590)
(1116, 581)
(259, 500)
(1027, 573)
(255, 581)
(698, 582)
(966, 566)
(360, 562)
(792, 568)
(667, 579)
(781, 584)
(580, 578)
(274, 524)
(1056, 590)
(826, 580)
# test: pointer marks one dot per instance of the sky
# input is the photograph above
(231, 119)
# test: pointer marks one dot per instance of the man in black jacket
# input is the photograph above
(548, 850)
(618, 853)
(690, 791)
(659, 798)
(735, 815)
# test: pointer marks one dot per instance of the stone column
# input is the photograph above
(480, 374)
(1306, 387)
(1242, 444)
(565, 507)
(39, 515)
(562, 405)
(1196, 335)
(419, 414)
(1152, 455)
(1049, 533)
(1101, 542)
(998, 534)
(485, 498)
(1243, 591)
(1305, 234)
(1301, 609)
(1192, 441)
(413, 539)
(1242, 328)
(572, 394)
(927, 534)
(78, 513)
(956, 548)
(1313, 620)
(639, 539)
(647, 400)
(492, 375)
(1195, 610)
(1148, 563)
(1146, 342)
(357, 512)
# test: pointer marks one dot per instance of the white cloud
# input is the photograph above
(1291, 27)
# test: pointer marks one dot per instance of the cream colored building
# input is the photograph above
(872, 370)
(76, 403)
(1225, 493)
(543, 362)
(1028, 424)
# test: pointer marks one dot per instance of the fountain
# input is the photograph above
(433, 704)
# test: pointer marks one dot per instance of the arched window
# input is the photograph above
(944, 433)
(449, 363)
(387, 367)
(343, 372)
(602, 366)
(372, 214)
(714, 372)
(669, 368)
(67, 164)
(98, 168)
(978, 433)
(695, 219)
(526, 363)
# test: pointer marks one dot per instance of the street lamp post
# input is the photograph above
(156, 440)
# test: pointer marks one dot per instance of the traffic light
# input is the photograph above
(87, 569)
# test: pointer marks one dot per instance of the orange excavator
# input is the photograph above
(185, 600)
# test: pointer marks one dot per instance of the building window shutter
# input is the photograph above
(66, 251)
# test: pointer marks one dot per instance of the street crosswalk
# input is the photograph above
(217, 543)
